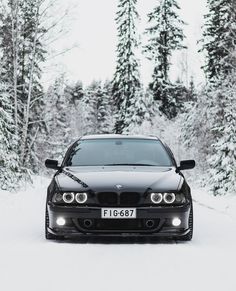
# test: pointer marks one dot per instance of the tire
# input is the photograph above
(49, 235)
(189, 235)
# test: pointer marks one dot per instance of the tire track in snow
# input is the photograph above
(214, 209)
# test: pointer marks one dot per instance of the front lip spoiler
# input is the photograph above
(74, 235)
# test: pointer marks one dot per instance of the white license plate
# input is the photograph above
(118, 213)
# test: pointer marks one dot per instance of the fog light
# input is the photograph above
(61, 221)
(176, 221)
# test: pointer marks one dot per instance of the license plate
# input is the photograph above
(118, 213)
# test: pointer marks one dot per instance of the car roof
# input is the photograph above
(121, 136)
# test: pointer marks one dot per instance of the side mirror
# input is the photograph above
(52, 164)
(186, 165)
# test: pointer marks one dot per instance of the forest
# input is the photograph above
(38, 123)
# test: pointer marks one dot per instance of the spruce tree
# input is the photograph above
(90, 112)
(141, 110)
(192, 94)
(208, 129)
(219, 44)
(126, 82)
(222, 162)
(109, 119)
(22, 55)
(58, 118)
(31, 56)
(165, 34)
(104, 117)
(9, 161)
(219, 39)
(75, 92)
(97, 109)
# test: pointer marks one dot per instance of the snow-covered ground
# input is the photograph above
(30, 263)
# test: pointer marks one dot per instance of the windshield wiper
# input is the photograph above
(128, 165)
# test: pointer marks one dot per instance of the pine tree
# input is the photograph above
(219, 39)
(9, 43)
(97, 109)
(165, 36)
(192, 94)
(75, 92)
(58, 117)
(9, 161)
(31, 56)
(22, 55)
(219, 43)
(196, 123)
(104, 107)
(208, 129)
(90, 112)
(139, 112)
(126, 82)
(222, 162)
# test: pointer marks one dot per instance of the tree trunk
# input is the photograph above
(24, 152)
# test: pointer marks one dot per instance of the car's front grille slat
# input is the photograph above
(107, 198)
(129, 198)
(116, 199)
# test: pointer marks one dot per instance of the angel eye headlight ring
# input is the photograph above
(81, 197)
(68, 197)
(169, 198)
(156, 198)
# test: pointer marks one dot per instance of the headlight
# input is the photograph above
(81, 197)
(68, 197)
(156, 198)
(169, 198)
(180, 198)
(57, 197)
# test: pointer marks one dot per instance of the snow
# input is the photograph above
(29, 262)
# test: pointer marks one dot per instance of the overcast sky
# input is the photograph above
(92, 31)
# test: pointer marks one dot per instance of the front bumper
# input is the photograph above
(161, 216)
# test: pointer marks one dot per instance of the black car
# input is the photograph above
(119, 185)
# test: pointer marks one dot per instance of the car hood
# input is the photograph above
(120, 178)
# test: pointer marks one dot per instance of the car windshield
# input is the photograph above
(112, 152)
